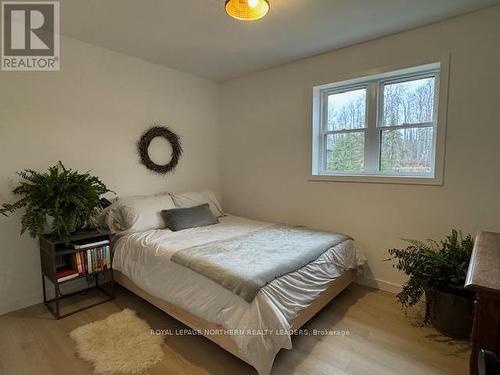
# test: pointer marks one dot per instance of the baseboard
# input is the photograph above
(35, 298)
(386, 286)
(30, 299)
(20, 303)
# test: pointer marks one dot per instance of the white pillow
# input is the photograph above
(195, 198)
(137, 213)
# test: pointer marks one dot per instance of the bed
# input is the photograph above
(253, 330)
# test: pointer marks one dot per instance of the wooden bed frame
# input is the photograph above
(226, 341)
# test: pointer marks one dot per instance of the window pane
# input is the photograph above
(347, 110)
(345, 152)
(407, 150)
(410, 102)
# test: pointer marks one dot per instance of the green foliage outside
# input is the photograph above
(347, 153)
(402, 150)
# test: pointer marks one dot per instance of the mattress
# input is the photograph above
(145, 258)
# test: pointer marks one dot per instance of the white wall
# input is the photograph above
(266, 127)
(90, 115)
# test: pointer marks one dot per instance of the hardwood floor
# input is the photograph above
(381, 341)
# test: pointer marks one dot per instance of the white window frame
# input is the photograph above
(374, 84)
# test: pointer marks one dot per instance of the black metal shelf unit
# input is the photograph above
(51, 249)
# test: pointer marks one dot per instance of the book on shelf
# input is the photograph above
(91, 245)
(96, 259)
(66, 273)
(84, 262)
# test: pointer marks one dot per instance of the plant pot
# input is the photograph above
(49, 221)
(451, 312)
(49, 228)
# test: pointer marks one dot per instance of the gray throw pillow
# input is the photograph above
(191, 217)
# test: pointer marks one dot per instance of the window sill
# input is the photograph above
(400, 180)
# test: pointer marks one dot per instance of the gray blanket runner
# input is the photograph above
(244, 264)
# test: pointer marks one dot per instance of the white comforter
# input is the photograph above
(144, 257)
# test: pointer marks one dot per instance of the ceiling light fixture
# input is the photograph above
(247, 10)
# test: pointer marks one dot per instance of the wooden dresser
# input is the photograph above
(483, 277)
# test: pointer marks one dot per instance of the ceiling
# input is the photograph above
(197, 36)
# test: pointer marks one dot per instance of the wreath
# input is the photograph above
(145, 141)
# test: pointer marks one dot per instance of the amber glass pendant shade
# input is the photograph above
(247, 10)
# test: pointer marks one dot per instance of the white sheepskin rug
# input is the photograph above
(121, 343)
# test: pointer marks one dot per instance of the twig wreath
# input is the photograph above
(145, 141)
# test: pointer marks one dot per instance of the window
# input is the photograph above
(384, 127)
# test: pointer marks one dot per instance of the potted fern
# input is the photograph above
(438, 270)
(59, 201)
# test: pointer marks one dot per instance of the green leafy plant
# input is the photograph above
(60, 197)
(431, 266)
